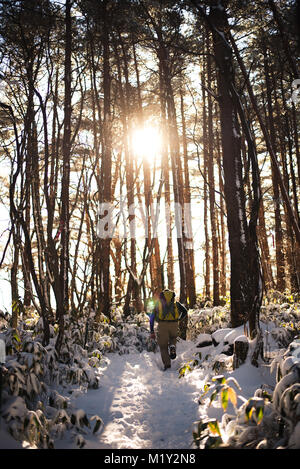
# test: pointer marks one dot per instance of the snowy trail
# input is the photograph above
(141, 405)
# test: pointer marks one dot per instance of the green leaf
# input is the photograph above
(213, 397)
(17, 338)
(214, 427)
(259, 415)
(224, 398)
(247, 413)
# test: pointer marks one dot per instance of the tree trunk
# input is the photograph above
(240, 352)
(103, 253)
(265, 251)
(155, 262)
(232, 166)
(17, 220)
(205, 192)
(14, 282)
(280, 258)
(167, 193)
(176, 167)
(211, 189)
(246, 282)
(65, 205)
(223, 248)
(188, 234)
(133, 290)
(285, 42)
(285, 131)
(275, 165)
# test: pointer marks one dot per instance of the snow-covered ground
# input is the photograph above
(204, 400)
(144, 407)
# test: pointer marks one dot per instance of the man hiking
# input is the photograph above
(167, 312)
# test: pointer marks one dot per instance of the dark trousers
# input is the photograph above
(167, 333)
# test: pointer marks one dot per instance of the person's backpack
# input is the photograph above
(167, 309)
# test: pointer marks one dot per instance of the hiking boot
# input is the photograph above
(172, 352)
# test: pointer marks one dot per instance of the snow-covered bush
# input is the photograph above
(30, 410)
(265, 421)
(119, 334)
(207, 320)
(28, 365)
(42, 427)
(33, 409)
(253, 424)
(37, 381)
(287, 394)
(286, 321)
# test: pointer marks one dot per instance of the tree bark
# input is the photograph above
(223, 246)
(188, 234)
(155, 261)
(167, 193)
(280, 257)
(285, 43)
(276, 168)
(65, 202)
(245, 282)
(103, 252)
(240, 352)
(211, 189)
(205, 192)
(176, 167)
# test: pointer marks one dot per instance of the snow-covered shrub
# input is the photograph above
(189, 366)
(282, 336)
(117, 334)
(25, 370)
(34, 411)
(30, 372)
(76, 423)
(284, 319)
(42, 427)
(206, 434)
(276, 297)
(287, 393)
(253, 422)
(24, 424)
(266, 420)
(207, 320)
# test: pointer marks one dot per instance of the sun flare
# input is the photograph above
(146, 142)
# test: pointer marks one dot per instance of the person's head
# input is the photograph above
(167, 295)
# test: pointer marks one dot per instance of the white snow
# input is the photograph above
(143, 407)
(139, 406)
(7, 441)
(219, 334)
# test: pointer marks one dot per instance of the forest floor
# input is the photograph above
(144, 407)
(202, 400)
